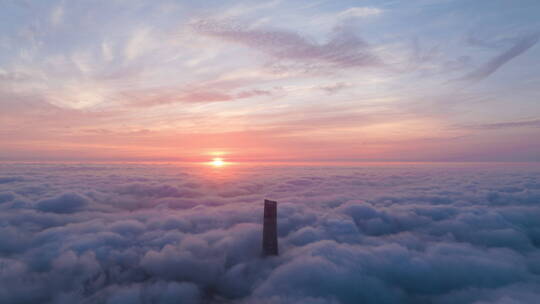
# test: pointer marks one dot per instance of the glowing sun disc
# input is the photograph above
(217, 162)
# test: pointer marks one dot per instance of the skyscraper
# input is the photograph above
(270, 242)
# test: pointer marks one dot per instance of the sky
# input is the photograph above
(278, 80)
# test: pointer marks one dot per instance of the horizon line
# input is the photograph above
(230, 162)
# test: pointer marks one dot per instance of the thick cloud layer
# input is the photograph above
(169, 234)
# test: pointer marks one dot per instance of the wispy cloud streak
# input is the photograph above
(344, 50)
(520, 47)
(506, 125)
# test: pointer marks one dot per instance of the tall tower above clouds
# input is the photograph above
(270, 242)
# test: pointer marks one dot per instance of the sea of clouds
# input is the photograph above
(116, 234)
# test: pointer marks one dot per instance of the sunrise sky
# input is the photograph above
(270, 80)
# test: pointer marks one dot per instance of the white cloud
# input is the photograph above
(107, 52)
(146, 234)
(139, 43)
(360, 12)
(57, 15)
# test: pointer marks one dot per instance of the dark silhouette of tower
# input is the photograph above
(269, 243)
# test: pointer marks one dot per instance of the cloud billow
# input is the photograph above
(65, 203)
(347, 235)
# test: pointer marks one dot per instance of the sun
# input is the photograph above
(217, 162)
